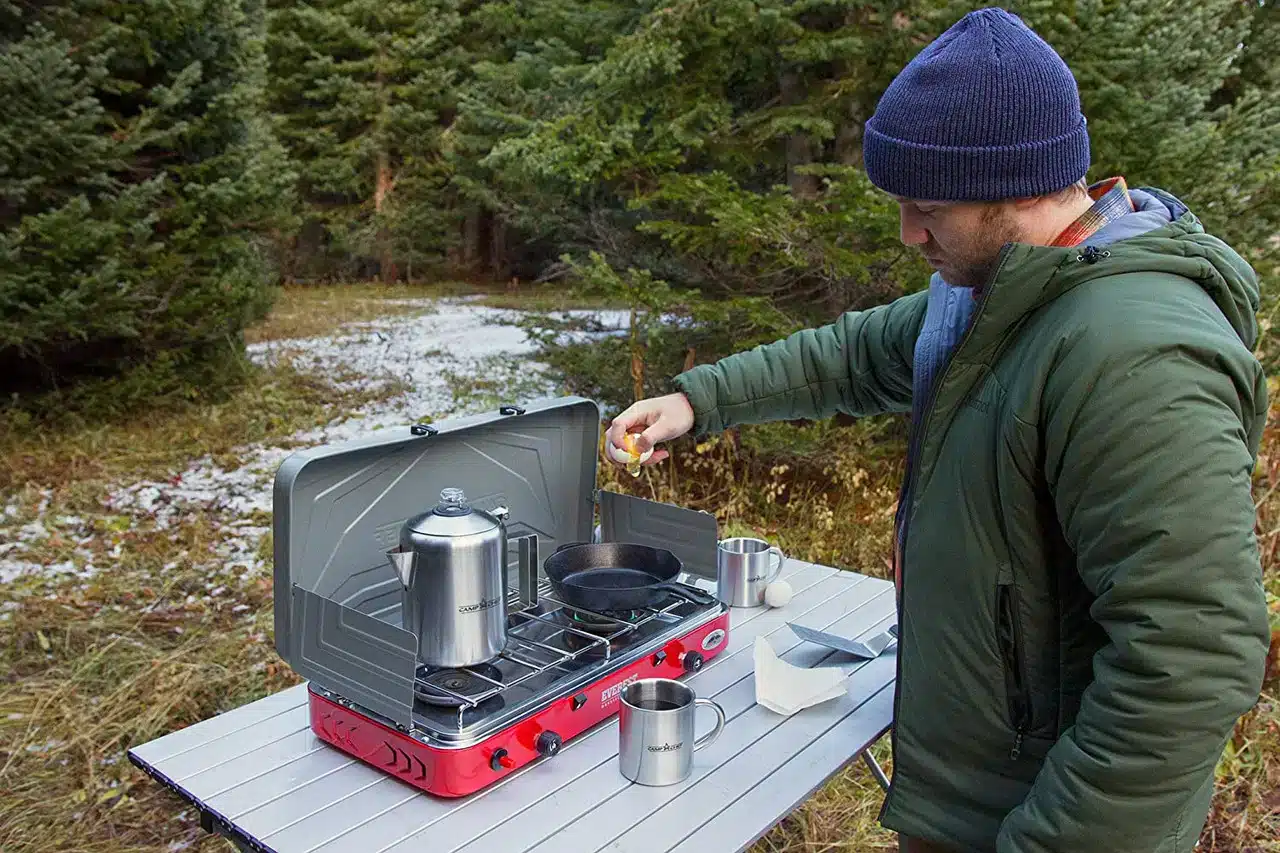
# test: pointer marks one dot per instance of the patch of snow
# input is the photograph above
(32, 531)
(13, 569)
(47, 746)
(419, 353)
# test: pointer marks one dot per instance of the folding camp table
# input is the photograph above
(260, 777)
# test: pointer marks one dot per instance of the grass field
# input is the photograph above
(144, 622)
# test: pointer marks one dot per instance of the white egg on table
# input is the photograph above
(777, 594)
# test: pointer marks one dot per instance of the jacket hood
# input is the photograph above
(1163, 235)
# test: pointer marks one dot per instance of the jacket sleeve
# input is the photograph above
(859, 365)
(1148, 455)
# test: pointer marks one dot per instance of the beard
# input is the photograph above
(971, 258)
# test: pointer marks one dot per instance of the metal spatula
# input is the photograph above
(868, 650)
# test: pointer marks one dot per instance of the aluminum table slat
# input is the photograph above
(266, 781)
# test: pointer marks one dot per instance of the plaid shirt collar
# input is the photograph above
(1110, 202)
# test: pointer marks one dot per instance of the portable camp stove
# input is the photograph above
(338, 606)
(561, 674)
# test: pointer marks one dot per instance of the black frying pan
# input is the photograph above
(617, 576)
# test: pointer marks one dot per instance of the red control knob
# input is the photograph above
(501, 760)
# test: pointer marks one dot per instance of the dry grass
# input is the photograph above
(169, 635)
(304, 312)
(94, 668)
(151, 444)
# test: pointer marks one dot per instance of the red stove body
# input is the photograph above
(453, 769)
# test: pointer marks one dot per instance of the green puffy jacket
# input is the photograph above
(1081, 610)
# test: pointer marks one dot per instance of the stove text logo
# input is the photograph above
(484, 604)
(616, 690)
(666, 747)
(713, 639)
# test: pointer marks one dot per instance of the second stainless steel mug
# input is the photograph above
(744, 569)
(656, 731)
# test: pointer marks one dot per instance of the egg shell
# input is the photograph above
(623, 456)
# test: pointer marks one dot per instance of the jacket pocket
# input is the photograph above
(1009, 637)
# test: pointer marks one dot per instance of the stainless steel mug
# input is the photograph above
(743, 570)
(656, 727)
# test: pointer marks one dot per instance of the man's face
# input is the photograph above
(960, 240)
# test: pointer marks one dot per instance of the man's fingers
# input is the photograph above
(652, 422)
(622, 424)
(657, 433)
(617, 429)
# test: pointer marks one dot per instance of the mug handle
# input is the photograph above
(710, 737)
(782, 559)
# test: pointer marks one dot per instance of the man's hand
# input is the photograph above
(657, 420)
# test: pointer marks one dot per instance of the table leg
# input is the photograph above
(876, 771)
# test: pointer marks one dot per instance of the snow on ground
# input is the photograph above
(450, 338)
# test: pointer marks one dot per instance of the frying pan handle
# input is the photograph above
(688, 593)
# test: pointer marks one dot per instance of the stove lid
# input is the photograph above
(337, 508)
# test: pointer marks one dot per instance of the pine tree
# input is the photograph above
(526, 58)
(1188, 101)
(138, 180)
(363, 89)
(731, 130)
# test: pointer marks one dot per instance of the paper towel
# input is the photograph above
(785, 689)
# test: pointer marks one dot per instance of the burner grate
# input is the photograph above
(535, 653)
(443, 687)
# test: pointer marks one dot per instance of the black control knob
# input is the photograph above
(548, 743)
(692, 661)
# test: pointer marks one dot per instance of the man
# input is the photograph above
(1079, 589)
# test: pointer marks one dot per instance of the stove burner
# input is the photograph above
(464, 682)
(596, 636)
(602, 623)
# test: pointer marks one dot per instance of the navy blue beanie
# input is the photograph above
(988, 111)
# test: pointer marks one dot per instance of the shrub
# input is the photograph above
(138, 180)
(666, 330)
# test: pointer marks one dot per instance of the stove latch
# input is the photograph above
(579, 701)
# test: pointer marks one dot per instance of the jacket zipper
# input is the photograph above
(1010, 639)
(912, 476)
